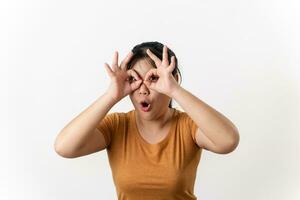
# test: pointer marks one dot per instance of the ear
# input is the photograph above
(176, 77)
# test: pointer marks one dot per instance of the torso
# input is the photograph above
(154, 137)
(163, 170)
(159, 135)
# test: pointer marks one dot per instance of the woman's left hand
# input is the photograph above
(164, 80)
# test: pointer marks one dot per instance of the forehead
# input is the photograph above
(142, 66)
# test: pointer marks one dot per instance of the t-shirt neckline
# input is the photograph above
(164, 140)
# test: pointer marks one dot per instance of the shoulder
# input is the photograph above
(120, 117)
(182, 115)
(114, 118)
(187, 127)
(182, 118)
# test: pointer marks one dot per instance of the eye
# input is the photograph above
(131, 78)
(153, 78)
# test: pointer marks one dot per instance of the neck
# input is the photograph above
(159, 122)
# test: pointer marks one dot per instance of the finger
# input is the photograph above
(126, 60)
(135, 85)
(151, 72)
(133, 73)
(165, 55)
(149, 84)
(172, 64)
(108, 69)
(156, 60)
(115, 61)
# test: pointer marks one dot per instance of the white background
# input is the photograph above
(240, 57)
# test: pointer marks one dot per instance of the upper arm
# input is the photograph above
(94, 143)
(204, 142)
(99, 139)
(201, 140)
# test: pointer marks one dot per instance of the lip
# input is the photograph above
(145, 109)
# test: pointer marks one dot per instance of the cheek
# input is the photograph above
(133, 98)
(162, 99)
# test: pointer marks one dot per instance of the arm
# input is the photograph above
(215, 131)
(81, 136)
(75, 134)
(220, 133)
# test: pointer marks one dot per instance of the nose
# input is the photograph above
(143, 89)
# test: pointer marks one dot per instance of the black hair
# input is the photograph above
(139, 53)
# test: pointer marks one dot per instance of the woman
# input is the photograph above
(153, 150)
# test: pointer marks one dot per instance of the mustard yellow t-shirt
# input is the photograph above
(143, 171)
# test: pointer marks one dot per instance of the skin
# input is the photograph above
(160, 113)
(80, 137)
(215, 132)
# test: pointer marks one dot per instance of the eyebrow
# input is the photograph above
(137, 73)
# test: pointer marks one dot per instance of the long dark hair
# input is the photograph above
(139, 53)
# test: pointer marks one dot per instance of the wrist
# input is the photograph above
(175, 92)
(111, 98)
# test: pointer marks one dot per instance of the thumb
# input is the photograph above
(136, 84)
(148, 83)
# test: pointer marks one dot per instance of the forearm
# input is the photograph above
(73, 135)
(220, 130)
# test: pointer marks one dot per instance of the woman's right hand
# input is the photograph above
(122, 80)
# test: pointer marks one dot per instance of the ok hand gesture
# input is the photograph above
(166, 82)
(121, 85)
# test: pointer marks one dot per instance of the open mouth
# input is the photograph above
(145, 106)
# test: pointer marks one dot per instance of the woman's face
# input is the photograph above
(158, 102)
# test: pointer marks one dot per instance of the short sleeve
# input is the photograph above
(190, 125)
(108, 126)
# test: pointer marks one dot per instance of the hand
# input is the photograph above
(121, 79)
(166, 82)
